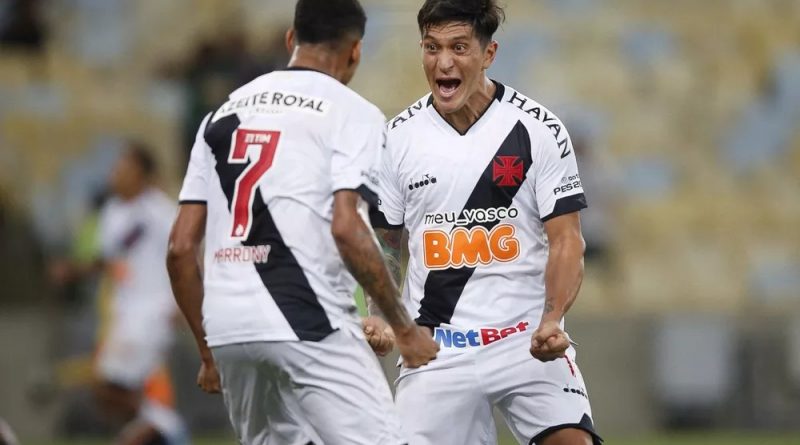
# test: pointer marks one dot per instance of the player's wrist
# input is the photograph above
(552, 317)
(205, 354)
(404, 330)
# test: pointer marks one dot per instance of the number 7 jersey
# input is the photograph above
(475, 205)
(266, 164)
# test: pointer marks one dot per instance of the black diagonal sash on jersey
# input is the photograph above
(443, 288)
(281, 274)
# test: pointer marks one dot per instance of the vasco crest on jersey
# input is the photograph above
(508, 171)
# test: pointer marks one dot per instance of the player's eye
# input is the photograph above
(430, 47)
(460, 48)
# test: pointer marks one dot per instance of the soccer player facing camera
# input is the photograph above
(278, 184)
(486, 183)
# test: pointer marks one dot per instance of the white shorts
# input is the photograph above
(133, 351)
(330, 392)
(450, 400)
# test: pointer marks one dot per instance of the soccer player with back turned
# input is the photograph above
(278, 183)
(486, 183)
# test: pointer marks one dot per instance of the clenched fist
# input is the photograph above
(379, 335)
(417, 346)
(549, 342)
(208, 377)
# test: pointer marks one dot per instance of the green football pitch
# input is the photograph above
(670, 439)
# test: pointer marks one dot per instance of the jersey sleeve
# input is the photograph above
(558, 183)
(195, 183)
(356, 155)
(391, 210)
(106, 235)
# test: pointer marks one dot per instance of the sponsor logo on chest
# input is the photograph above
(471, 245)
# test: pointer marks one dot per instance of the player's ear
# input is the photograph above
(290, 40)
(489, 54)
(355, 53)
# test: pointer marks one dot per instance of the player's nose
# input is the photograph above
(445, 62)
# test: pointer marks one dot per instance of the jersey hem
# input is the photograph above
(585, 424)
(233, 339)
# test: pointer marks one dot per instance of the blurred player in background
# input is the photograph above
(278, 184)
(486, 182)
(7, 436)
(132, 384)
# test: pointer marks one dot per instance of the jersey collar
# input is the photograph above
(500, 91)
(303, 68)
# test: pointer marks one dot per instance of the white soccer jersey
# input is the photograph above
(134, 234)
(267, 163)
(474, 206)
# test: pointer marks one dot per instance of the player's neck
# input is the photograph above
(133, 194)
(476, 106)
(322, 61)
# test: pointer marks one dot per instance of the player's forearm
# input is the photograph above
(390, 241)
(563, 276)
(365, 261)
(80, 270)
(187, 286)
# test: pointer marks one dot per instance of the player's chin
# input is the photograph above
(448, 104)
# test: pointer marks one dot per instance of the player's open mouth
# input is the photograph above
(448, 87)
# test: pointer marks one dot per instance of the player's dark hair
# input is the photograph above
(143, 156)
(328, 21)
(485, 16)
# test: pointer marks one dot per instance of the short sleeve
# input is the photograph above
(356, 155)
(558, 184)
(195, 183)
(391, 208)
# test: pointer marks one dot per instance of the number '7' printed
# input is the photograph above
(257, 147)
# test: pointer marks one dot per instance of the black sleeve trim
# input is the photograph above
(376, 218)
(366, 194)
(585, 424)
(570, 204)
(192, 201)
(379, 221)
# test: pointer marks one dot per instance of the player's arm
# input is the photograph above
(379, 334)
(563, 277)
(65, 271)
(364, 259)
(391, 243)
(183, 264)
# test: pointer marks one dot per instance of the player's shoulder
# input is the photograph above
(159, 199)
(111, 211)
(359, 105)
(537, 119)
(408, 119)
